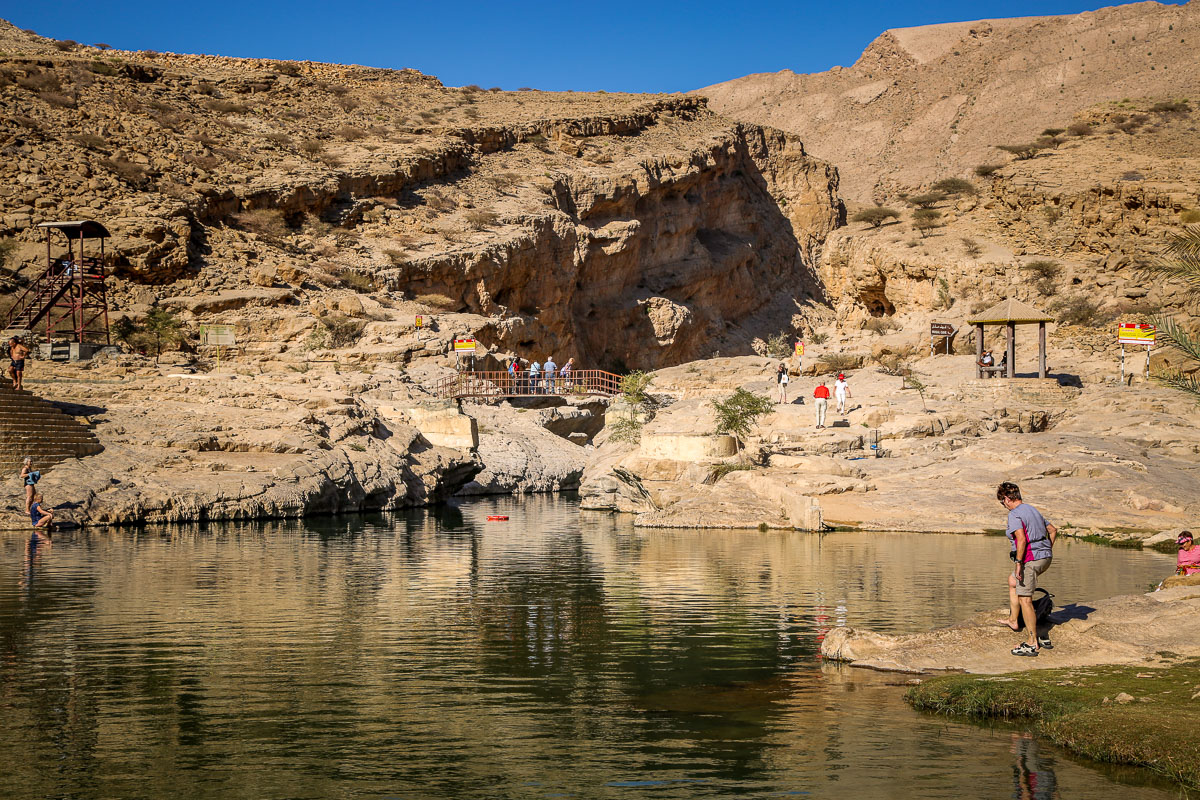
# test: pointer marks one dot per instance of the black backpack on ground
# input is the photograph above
(1043, 605)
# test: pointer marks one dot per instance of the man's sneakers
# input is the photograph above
(1025, 649)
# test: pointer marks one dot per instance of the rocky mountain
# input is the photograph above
(923, 103)
(317, 204)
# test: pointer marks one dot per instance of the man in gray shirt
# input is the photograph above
(1032, 540)
(548, 370)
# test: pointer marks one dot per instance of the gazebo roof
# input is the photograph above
(1010, 310)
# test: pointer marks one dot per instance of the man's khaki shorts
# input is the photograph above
(1032, 570)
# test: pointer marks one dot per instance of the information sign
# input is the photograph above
(941, 329)
(464, 345)
(1136, 333)
(217, 335)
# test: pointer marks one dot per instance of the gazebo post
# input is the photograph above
(1041, 349)
(1012, 349)
(978, 351)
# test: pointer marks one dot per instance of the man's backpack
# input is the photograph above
(1043, 605)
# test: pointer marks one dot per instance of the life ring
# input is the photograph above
(497, 517)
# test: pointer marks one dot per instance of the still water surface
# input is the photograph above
(436, 655)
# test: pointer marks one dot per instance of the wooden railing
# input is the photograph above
(495, 385)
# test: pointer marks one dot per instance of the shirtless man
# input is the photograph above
(17, 351)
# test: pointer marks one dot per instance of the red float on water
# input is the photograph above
(497, 517)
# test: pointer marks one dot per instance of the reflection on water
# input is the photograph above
(435, 654)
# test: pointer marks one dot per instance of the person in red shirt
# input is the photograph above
(821, 393)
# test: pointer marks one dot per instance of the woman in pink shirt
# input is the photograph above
(1188, 562)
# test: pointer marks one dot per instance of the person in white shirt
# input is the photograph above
(841, 390)
(782, 378)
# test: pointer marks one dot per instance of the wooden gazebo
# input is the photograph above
(1011, 313)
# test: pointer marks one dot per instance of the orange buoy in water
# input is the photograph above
(497, 517)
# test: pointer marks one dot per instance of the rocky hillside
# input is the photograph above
(319, 205)
(921, 103)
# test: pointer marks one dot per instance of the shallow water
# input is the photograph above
(437, 655)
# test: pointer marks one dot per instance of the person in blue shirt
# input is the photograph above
(39, 515)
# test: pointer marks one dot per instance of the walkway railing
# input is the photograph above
(495, 385)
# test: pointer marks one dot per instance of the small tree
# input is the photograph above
(925, 220)
(737, 413)
(876, 216)
(986, 170)
(1047, 270)
(1022, 151)
(162, 327)
(124, 330)
(913, 382)
(971, 247)
(954, 186)
(944, 298)
(1052, 132)
(779, 345)
(927, 200)
(633, 393)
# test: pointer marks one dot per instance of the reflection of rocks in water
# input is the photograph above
(751, 696)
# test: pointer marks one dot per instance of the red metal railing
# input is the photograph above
(495, 385)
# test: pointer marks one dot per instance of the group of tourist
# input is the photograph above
(841, 391)
(988, 361)
(540, 378)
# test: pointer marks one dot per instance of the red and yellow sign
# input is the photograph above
(1136, 333)
(420, 321)
(464, 345)
(799, 349)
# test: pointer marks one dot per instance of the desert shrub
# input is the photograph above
(225, 106)
(57, 99)
(927, 200)
(1045, 287)
(131, 173)
(343, 330)
(312, 147)
(438, 302)
(876, 216)
(723, 469)
(1080, 129)
(479, 219)
(926, 219)
(971, 247)
(1048, 142)
(1052, 214)
(880, 325)
(837, 362)
(91, 140)
(944, 299)
(202, 161)
(893, 364)
(102, 46)
(439, 202)
(1022, 151)
(1189, 215)
(358, 281)
(986, 170)
(347, 103)
(779, 345)
(350, 133)
(816, 337)
(626, 429)
(954, 186)
(103, 68)
(287, 68)
(1080, 311)
(396, 257)
(1132, 175)
(281, 139)
(1043, 269)
(8, 251)
(1052, 132)
(267, 222)
(66, 45)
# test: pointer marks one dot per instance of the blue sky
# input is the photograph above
(616, 45)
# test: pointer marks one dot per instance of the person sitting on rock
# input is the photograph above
(1188, 560)
(41, 516)
(30, 477)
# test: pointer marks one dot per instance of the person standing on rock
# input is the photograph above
(821, 393)
(29, 477)
(841, 390)
(549, 370)
(783, 379)
(18, 352)
(1032, 540)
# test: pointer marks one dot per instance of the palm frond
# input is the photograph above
(1172, 333)
(1178, 380)
(1183, 261)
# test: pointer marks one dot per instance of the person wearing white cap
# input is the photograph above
(841, 390)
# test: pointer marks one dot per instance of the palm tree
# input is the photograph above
(1183, 263)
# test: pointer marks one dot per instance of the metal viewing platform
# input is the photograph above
(500, 384)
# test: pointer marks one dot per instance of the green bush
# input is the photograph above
(1022, 151)
(954, 186)
(986, 170)
(876, 216)
(737, 413)
(1043, 269)
(779, 345)
(927, 200)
